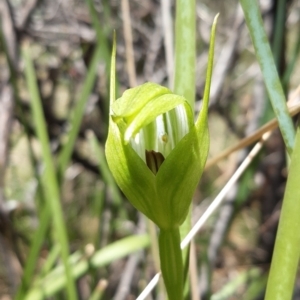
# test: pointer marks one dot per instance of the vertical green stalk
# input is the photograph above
(171, 262)
(49, 179)
(185, 50)
(287, 246)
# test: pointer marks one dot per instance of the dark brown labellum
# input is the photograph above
(154, 160)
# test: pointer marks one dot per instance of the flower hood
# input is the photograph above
(163, 197)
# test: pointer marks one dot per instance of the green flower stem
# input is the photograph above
(171, 262)
(287, 246)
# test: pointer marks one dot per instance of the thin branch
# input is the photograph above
(128, 43)
(293, 108)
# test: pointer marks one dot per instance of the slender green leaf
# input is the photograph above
(105, 51)
(202, 119)
(77, 114)
(185, 50)
(34, 252)
(49, 179)
(293, 61)
(268, 68)
(45, 214)
(56, 280)
(278, 40)
(287, 246)
(229, 290)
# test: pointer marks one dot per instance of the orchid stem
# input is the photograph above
(171, 262)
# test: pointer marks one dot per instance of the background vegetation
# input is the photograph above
(62, 207)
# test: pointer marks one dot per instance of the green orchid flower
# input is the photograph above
(156, 153)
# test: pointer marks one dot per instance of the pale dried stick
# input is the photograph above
(128, 43)
(151, 285)
(195, 295)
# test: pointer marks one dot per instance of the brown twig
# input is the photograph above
(293, 108)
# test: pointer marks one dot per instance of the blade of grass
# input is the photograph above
(256, 288)
(74, 258)
(33, 255)
(293, 62)
(56, 280)
(105, 54)
(77, 114)
(49, 179)
(64, 159)
(185, 50)
(229, 290)
(51, 259)
(278, 41)
(44, 214)
(287, 246)
(278, 48)
(268, 68)
(105, 50)
(97, 208)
